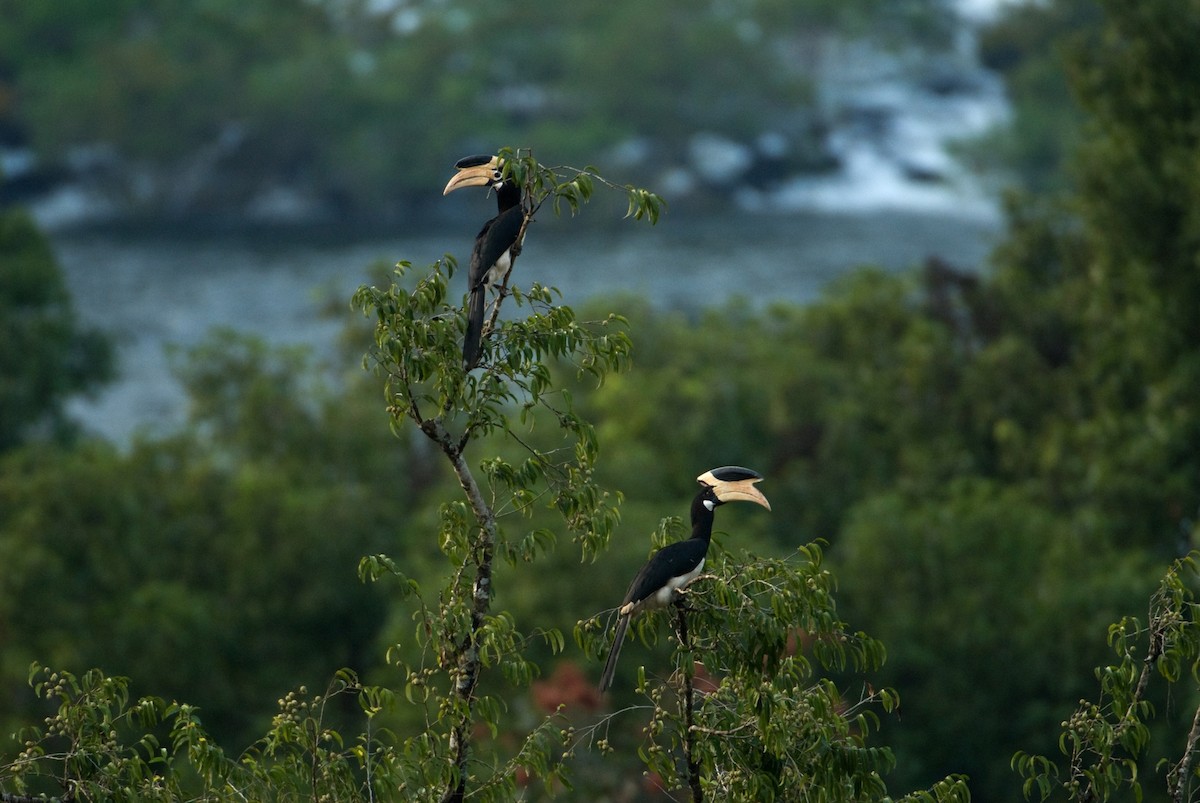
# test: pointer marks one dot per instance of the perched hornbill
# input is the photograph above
(494, 245)
(675, 565)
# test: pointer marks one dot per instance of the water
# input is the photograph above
(899, 197)
(151, 292)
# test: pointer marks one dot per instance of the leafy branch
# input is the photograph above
(1104, 740)
(417, 336)
(750, 708)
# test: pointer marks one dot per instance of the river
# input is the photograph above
(899, 197)
(151, 292)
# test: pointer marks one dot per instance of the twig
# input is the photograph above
(1157, 628)
(1181, 772)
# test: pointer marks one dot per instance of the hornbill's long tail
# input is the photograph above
(610, 666)
(473, 340)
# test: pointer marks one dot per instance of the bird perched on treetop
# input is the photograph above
(493, 254)
(671, 568)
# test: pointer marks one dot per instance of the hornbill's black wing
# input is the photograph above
(491, 256)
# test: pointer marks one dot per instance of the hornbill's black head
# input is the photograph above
(731, 484)
(477, 171)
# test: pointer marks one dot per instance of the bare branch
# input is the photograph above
(1178, 777)
(689, 693)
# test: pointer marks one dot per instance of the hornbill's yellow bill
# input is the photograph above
(671, 568)
(734, 484)
(475, 171)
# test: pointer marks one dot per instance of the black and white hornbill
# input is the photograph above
(493, 253)
(675, 565)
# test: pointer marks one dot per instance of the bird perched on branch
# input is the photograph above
(495, 245)
(657, 584)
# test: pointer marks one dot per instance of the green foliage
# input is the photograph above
(1143, 226)
(1086, 341)
(1029, 45)
(885, 381)
(97, 745)
(45, 356)
(1105, 741)
(981, 593)
(1119, 283)
(750, 711)
(236, 548)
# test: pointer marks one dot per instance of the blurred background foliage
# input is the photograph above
(188, 106)
(1003, 461)
(46, 356)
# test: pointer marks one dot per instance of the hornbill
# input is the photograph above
(494, 245)
(675, 565)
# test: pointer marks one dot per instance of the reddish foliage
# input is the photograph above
(567, 685)
(702, 681)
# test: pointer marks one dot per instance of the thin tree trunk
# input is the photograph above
(689, 693)
(467, 672)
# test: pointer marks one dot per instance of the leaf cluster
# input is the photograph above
(752, 710)
(98, 745)
(1104, 741)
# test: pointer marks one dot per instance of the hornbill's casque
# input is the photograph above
(493, 253)
(676, 565)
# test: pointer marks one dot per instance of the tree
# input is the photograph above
(417, 340)
(1074, 376)
(1130, 275)
(45, 355)
(1140, 286)
(991, 609)
(767, 719)
(750, 709)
